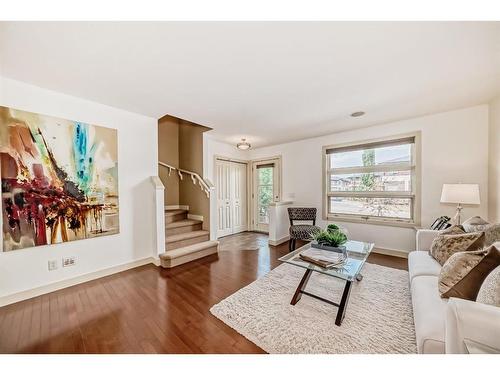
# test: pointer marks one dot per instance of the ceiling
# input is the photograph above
(267, 82)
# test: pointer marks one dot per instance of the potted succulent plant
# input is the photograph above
(332, 238)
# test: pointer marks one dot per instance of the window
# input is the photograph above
(373, 182)
(264, 191)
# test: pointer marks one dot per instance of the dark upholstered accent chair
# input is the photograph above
(302, 231)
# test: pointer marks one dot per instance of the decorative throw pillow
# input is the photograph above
(489, 293)
(463, 274)
(491, 234)
(475, 224)
(454, 229)
(445, 245)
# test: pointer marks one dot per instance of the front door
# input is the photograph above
(265, 176)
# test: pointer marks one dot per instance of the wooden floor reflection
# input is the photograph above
(148, 309)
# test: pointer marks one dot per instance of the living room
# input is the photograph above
(250, 187)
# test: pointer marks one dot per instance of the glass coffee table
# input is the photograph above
(350, 271)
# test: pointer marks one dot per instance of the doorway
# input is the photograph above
(266, 188)
(231, 188)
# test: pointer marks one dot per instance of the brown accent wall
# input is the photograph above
(180, 144)
(168, 152)
(191, 159)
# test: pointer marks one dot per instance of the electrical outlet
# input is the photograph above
(52, 265)
(70, 261)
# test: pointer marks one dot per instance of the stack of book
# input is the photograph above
(323, 258)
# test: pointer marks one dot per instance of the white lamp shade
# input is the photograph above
(460, 193)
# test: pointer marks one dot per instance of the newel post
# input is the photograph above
(159, 191)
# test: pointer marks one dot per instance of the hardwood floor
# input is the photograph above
(148, 309)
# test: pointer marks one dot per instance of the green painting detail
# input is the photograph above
(59, 180)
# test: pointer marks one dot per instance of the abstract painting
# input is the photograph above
(59, 180)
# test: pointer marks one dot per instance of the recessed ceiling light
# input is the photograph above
(243, 145)
(357, 114)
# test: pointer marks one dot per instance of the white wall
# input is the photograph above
(279, 222)
(212, 148)
(494, 162)
(25, 269)
(454, 149)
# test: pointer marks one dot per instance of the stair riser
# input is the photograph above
(185, 229)
(177, 217)
(169, 263)
(187, 242)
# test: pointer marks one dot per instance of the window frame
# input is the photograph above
(414, 194)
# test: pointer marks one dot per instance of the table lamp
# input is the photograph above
(460, 194)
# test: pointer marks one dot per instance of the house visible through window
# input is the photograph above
(375, 181)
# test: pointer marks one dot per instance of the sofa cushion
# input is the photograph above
(489, 293)
(445, 245)
(420, 263)
(429, 312)
(463, 273)
(475, 224)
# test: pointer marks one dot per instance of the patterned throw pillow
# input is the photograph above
(463, 274)
(475, 224)
(490, 290)
(454, 229)
(491, 234)
(445, 245)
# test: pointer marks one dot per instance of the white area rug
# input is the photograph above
(378, 318)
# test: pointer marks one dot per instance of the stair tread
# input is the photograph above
(186, 236)
(183, 223)
(175, 212)
(181, 251)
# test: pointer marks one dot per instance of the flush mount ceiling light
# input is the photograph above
(243, 145)
(357, 114)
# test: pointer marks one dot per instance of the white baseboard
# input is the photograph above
(195, 217)
(177, 207)
(391, 252)
(279, 241)
(27, 294)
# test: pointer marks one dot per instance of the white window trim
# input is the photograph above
(415, 167)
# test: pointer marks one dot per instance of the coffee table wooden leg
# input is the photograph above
(343, 303)
(301, 287)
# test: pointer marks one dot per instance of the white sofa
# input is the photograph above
(442, 325)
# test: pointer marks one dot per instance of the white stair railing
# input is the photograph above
(195, 177)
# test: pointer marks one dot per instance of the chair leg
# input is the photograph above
(290, 245)
(293, 244)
